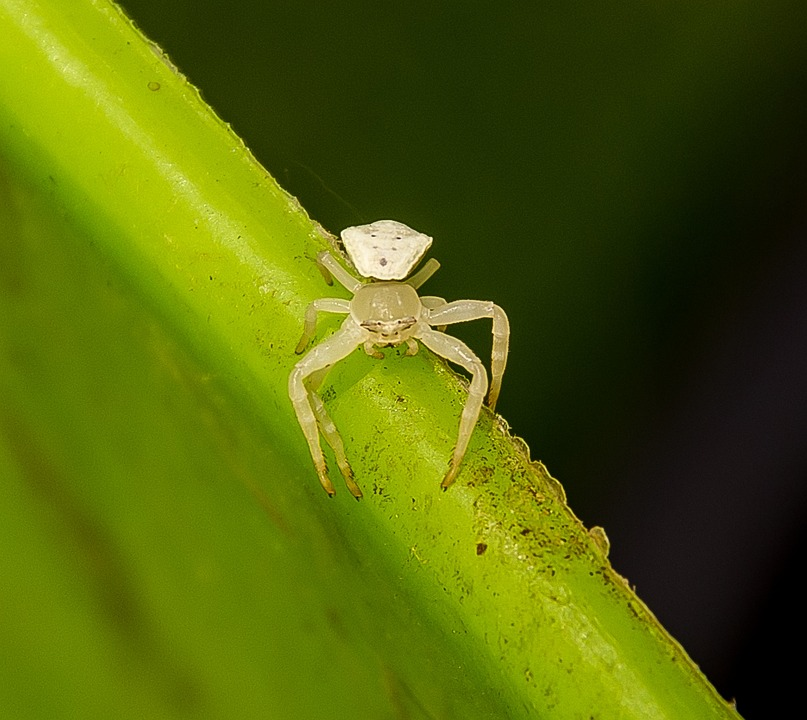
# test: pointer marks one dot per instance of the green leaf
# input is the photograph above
(167, 549)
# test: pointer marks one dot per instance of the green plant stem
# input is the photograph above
(488, 600)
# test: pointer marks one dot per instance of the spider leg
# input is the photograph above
(369, 348)
(328, 428)
(334, 439)
(315, 363)
(431, 302)
(330, 268)
(422, 275)
(458, 352)
(465, 310)
(331, 305)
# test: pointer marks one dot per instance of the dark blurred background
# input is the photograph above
(628, 180)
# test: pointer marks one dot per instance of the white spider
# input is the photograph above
(386, 310)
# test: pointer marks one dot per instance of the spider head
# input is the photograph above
(390, 332)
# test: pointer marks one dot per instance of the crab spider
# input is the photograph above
(386, 310)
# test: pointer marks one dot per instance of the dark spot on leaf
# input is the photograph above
(480, 548)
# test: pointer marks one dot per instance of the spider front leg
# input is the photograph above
(456, 351)
(328, 429)
(334, 439)
(338, 346)
(431, 302)
(465, 310)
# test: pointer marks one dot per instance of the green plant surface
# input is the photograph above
(167, 549)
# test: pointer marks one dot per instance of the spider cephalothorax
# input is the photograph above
(387, 310)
